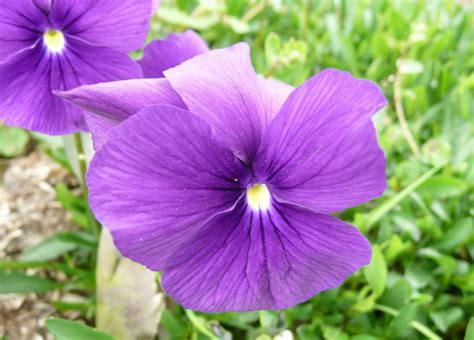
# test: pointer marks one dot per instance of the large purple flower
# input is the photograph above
(227, 185)
(48, 45)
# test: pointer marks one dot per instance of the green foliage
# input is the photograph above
(13, 142)
(19, 283)
(68, 330)
(420, 283)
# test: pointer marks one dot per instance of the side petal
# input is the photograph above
(321, 149)
(221, 87)
(160, 55)
(20, 26)
(244, 261)
(121, 25)
(26, 100)
(108, 104)
(160, 176)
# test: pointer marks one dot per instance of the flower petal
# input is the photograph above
(160, 55)
(160, 176)
(121, 25)
(26, 99)
(108, 104)
(244, 261)
(20, 24)
(155, 6)
(221, 86)
(29, 77)
(321, 150)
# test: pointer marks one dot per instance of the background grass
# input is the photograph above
(421, 280)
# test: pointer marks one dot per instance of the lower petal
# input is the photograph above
(161, 175)
(243, 260)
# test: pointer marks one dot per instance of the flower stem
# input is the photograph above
(415, 324)
(81, 158)
(397, 98)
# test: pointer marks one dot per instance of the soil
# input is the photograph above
(29, 213)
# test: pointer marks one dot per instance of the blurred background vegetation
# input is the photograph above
(420, 283)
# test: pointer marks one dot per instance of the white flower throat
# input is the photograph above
(258, 197)
(54, 40)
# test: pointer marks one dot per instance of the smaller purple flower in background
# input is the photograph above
(61, 44)
(227, 186)
(160, 55)
(110, 103)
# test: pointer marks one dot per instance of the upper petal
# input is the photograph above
(21, 24)
(121, 25)
(160, 55)
(244, 260)
(29, 78)
(321, 149)
(26, 100)
(160, 176)
(221, 87)
(108, 104)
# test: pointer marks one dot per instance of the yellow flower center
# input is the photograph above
(258, 197)
(54, 40)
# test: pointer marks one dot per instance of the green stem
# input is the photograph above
(375, 215)
(81, 158)
(415, 324)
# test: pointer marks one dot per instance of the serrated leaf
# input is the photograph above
(63, 329)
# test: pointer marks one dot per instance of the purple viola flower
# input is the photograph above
(49, 45)
(227, 186)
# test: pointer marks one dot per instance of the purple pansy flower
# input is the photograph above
(227, 186)
(48, 45)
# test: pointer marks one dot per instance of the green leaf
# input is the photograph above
(272, 47)
(333, 333)
(13, 141)
(470, 330)
(458, 235)
(48, 249)
(63, 329)
(20, 283)
(376, 272)
(401, 323)
(444, 319)
(443, 187)
(397, 295)
(175, 327)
